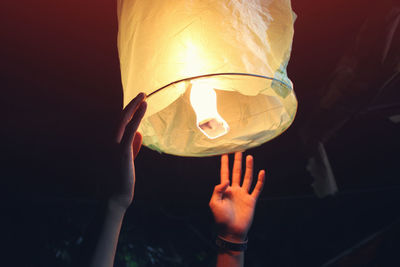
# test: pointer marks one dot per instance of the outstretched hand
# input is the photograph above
(100, 242)
(128, 142)
(232, 204)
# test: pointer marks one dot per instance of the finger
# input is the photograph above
(248, 175)
(237, 169)
(259, 185)
(127, 114)
(219, 191)
(224, 168)
(133, 125)
(137, 144)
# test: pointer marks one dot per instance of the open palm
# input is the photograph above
(233, 205)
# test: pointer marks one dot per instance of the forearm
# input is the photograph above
(106, 247)
(227, 258)
(101, 238)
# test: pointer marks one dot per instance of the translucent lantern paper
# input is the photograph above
(214, 72)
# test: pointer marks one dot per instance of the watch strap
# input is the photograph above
(228, 245)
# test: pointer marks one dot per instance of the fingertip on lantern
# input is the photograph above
(142, 96)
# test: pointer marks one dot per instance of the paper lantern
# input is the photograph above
(214, 72)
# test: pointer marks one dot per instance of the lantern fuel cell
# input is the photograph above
(204, 102)
(214, 72)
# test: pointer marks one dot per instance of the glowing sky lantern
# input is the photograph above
(214, 72)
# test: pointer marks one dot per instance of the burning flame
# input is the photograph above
(203, 99)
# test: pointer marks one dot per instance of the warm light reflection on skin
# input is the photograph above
(203, 99)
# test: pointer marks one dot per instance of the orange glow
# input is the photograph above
(204, 102)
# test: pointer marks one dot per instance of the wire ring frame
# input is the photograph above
(218, 74)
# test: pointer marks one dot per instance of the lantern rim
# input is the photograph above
(219, 74)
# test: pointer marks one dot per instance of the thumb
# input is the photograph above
(219, 190)
(137, 144)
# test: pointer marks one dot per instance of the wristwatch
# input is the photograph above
(228, 245)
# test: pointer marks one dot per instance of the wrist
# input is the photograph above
(114, 206)
(233, 237)
(227, 246)
(120, 201)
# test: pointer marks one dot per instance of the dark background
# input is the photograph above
(61, 97)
